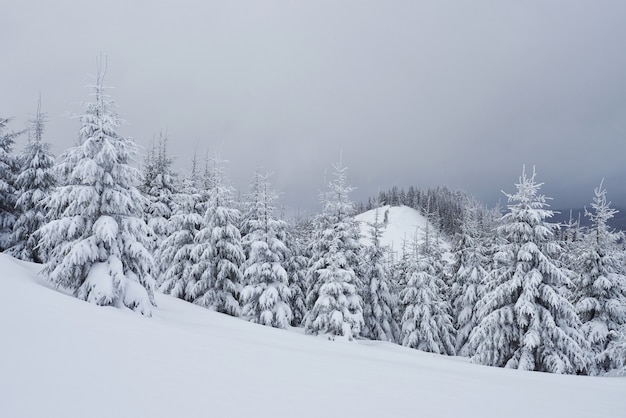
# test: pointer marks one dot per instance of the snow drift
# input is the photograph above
(62, 357)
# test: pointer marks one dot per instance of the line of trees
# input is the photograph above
(511, 292)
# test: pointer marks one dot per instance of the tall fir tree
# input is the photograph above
(468, 273)
(162, 186)
(335, 306)
(96, 242)
(34, 184)
(601, 301)
(9, 168)
(266, 295)
(526, 321)
(218, 254)
(427, 322)
(297, 266)
(176, 250)
(380, 303)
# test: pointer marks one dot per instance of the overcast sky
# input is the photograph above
(453, 93)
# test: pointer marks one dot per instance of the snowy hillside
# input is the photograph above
(403, 224)
(61, 357)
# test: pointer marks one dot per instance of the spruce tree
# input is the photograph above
(176, 250)
(266, 295)
(161, 188)
(9, 167)
(335, 306)
(468, 273)
(34, 184)
(96, 242)
(380, 303)
(218, 254)
(427, 323)
(526, 321)
(601, 302)
(297, 266)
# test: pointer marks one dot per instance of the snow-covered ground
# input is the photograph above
(404, 225)
(61, 357)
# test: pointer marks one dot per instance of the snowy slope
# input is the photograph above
(61, 357)
(404, 224)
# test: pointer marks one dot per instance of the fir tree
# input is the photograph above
(297, 266)
(161, 189)
(9, 167)
(34, 184)
(468, 276)
(266, 295)
(217, 276)
(176, 250)
(380, 303)
(96, 239)
(335, 307)
(526, 322)
(602, 285)
(427, 324)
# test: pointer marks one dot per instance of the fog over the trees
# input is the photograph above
(414, 93)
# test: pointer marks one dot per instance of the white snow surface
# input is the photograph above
(404, 224)
(62, 357)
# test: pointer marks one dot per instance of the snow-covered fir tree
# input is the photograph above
(468, 274)
(335, 306)
(266, 295)
(34, 184)
(601, 298)
(96, 242)
(9, 167)
(526, 321)
(217, 276)
(380, 303)
(161, 187)
(297, 267)
(176, 250)
(427, 322)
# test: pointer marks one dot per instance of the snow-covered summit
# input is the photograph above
(402, 227)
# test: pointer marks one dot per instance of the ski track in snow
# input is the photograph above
(62, 357)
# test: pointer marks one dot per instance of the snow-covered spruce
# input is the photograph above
(266, 295)
(526, 322)
(335, 306)
(427, 324)
(380, 304)
(297, 266)
(218, 254)
(96, 240)
(9, 168)
(468, 274)
(34, 184)
(176, 250)
(601, 301)
(160, 188)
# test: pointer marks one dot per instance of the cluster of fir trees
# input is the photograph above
(513, 296)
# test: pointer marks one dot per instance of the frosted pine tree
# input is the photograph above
(217, 276)
(33, 185)
(427, 324)
(601, 300)
(526, 322)
(9, 168)
(266, 295)
(176, 250)
(161, 188)
(335, 306)
(380, 304)
(96, 239)
(297, 266)
(468, 273)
